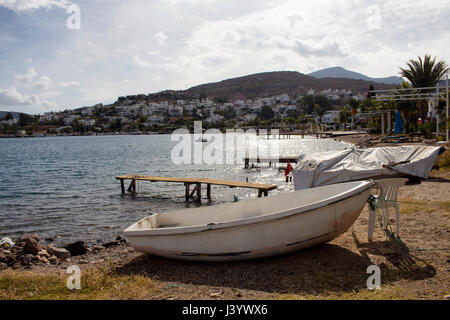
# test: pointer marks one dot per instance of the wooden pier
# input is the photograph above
(270, 161)
(263, 189)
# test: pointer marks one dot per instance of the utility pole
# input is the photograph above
(446, 98)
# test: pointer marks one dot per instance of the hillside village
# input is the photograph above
(163, 112)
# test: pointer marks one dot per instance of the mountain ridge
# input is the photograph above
(340, 72)
(276, 83)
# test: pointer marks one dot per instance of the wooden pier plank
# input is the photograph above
(227, 183)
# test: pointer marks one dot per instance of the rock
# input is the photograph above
(36, 260)
(26, 259)
(98, 248)
(3, 266)
(30, 244)
(42, 259)
(44, 254)
(111, 244)
(10, 257)
(77, 248)
(58, 252)
(53, 260)
(3, 258)
(447, 297)
(121, 240)
(49, 240)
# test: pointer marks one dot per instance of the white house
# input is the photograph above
(331, 116)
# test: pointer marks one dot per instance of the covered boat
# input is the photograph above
(252, 228)
(320, 169)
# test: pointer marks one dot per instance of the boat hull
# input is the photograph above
(257, 240)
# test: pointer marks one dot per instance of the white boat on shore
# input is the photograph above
(254, 228)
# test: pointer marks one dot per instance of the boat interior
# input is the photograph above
(249, 208)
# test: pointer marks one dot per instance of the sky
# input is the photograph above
(62, 54)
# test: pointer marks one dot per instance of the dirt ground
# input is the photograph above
(336, 270)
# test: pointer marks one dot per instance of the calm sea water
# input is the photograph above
(64, 187)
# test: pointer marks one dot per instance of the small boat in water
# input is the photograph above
(254, 228)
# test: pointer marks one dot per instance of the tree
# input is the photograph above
(25, 119)
(319, 111)
(267, 113)
(424, 73)
(9, 116)
(344, 115)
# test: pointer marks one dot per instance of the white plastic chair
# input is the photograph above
(385, 200)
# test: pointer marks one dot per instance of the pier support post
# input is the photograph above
(132, 187)
(208, 191)
(187, 185)
(199, 193)
(122, 186)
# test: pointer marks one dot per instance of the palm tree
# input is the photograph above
(424, 73)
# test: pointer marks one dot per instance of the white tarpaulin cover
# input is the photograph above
(320, 169)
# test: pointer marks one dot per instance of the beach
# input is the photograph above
(335, 270)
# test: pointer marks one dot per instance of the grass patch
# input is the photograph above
(95, 285)
(444, 160)
(386, 293)
(412, 206)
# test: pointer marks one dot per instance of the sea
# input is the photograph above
(64, 189)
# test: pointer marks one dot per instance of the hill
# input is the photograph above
(14, 114)
(276, 83)
(339, 72)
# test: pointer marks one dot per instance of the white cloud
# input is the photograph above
(29, 60)
(12, 97)
(27, 5)
(69, 84)
(27, 77)
(161, 38)
(43, 83)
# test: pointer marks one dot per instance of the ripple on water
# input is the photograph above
(64, 187)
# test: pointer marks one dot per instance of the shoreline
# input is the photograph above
(335, 270)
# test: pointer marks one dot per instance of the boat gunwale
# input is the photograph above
(169, 231)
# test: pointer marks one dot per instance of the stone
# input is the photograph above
(3, 266)
(77, 248)
(53, 260)
(3, 257)
(111, 244)
(58, 252)
(26, 259)
(98, 248)
(121, 240)
(29, 244)
(44, 254)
